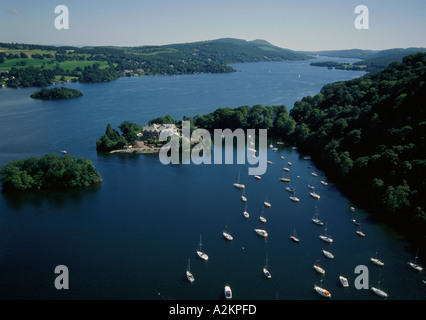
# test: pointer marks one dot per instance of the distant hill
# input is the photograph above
(223, 51)
(373, 60)
(26, 65)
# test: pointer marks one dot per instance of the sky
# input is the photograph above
(308, 25)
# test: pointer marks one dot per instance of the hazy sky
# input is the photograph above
(293, 24)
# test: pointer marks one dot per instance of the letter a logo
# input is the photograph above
(361, 21)
(62, 281)
(61, 21)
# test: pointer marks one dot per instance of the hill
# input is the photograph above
(372, 60)
(26, 65)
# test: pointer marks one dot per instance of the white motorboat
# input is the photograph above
(246, 214)
(314, 174)
(261, 232)
(257, 177)
(324, 183)
(286, 169)
(344, 281)
(243, 198)
(356, 222)
(228, 292)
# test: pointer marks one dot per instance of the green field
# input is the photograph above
(49, 64)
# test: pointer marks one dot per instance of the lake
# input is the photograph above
(131, 238)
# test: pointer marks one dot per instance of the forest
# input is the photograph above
(368, 134)
(50, 172)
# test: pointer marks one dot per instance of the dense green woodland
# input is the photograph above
(368, 134)
(51, 172)
(56, 93)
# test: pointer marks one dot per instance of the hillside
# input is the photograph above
(368, 134)
(26, 65)
(372, 60)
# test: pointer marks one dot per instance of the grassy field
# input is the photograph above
(49, 64)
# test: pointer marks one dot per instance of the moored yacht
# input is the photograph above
(261, 232)
(200, 253)
(344, 281)
(228, 292)
(323, 292)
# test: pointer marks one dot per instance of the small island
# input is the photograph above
(51, 172)
(56, 93)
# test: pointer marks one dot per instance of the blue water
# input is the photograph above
(131, 238)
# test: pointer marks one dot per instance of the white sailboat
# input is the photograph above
(290, 189)
(326, 237)
(266, 203)
(227, 235)
(414, 264)
(315, 218)
(262, 218)
(286, 169)
(324, 183)
(245, 213)
(314, 195)
(321, 291)
(294, 198)
(200, 253)
(261, 232)
(294, 237)
(379, 292)
(189, 275)
(328, 254)
(257, 177)
(265, 269)
(228, 292)
(359, 231)
(319, 269)
(238, 185)
(377, 261)
(284, 179)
